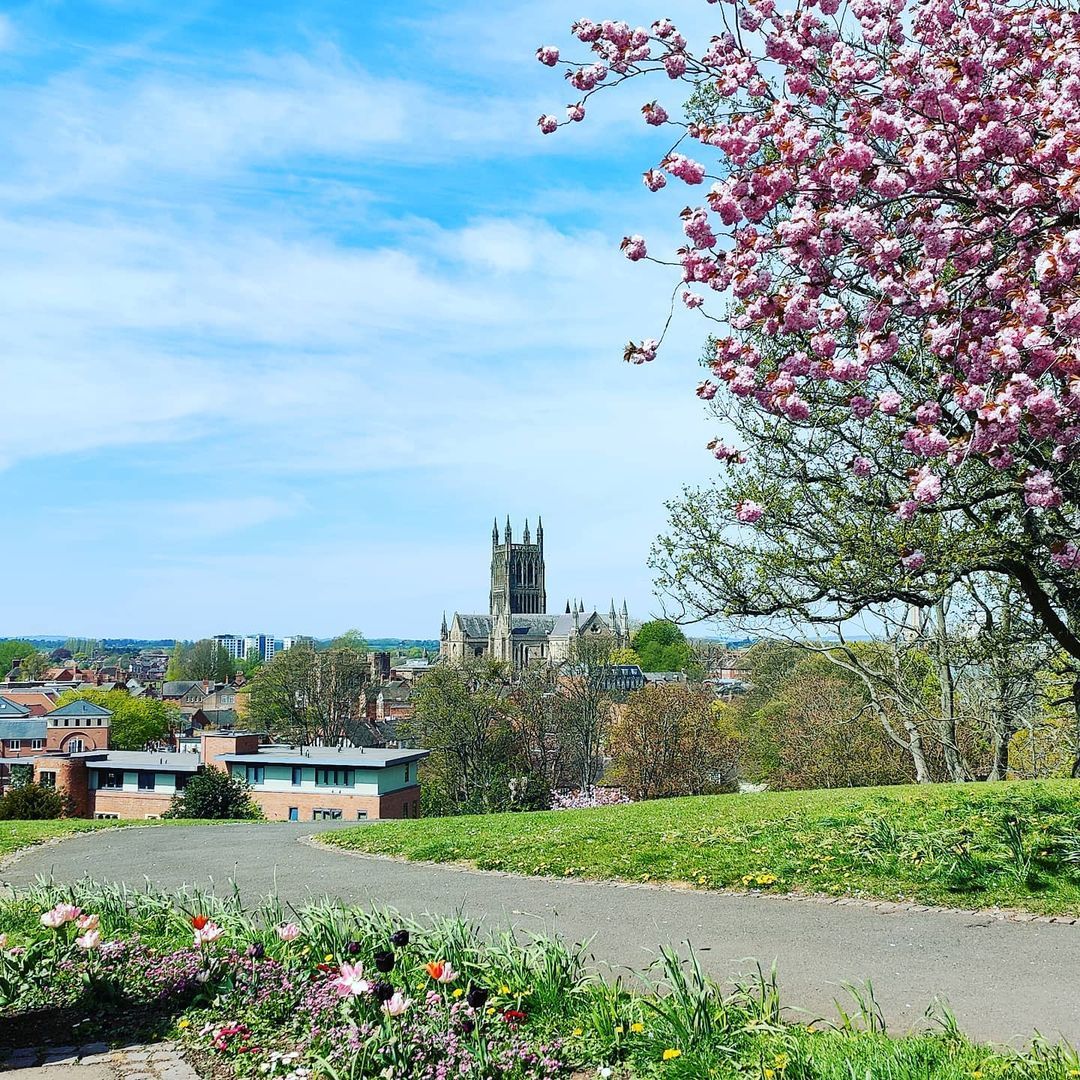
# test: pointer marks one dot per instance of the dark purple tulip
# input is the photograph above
(399, 939)
(467, 1027)
(256, 951)
(477, 997)
(352, 947)
(383, 991)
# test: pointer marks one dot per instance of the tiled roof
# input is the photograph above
(80, 708)
(12, 710)
(22, 729)
(353, 756)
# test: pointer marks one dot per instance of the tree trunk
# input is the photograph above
(1076, 710)
(954, 765)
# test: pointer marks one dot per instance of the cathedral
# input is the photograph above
(517, 628)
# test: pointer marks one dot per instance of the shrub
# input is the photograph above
(215, 795)
(31, 802)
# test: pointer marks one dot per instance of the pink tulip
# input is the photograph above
(207, 933)
(288, 931)
(351, 982)
(88, 922)
(90, 940)
(397, 1005)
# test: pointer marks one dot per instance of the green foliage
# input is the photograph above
(135, 721)
(214, 795)
(31, 802)
(1012, 845)
(351, 639)
(662, 646)
(461, 713)
(10, 651)
(205, 659)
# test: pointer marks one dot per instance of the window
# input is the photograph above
(13, 744)
(74, 746)
(297, 776)
(107, 817)
(146, 781)
(405, 810)
(255, 774)
(110, 778)
(361, 815)
(406, 774)
(325, 815)
(333, 777)
(181, 781)
(294, 813)
(47, 779)
(37, 744)
(415, 808)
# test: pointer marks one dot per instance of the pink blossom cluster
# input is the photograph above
(579, 800)
(896, 214)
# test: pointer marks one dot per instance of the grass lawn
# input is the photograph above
(15, 835)
(976, 845)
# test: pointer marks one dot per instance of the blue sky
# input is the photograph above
(297, 299)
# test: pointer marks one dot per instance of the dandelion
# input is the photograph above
(459, 991)
(637, 1027)
(577, 1031)
(671, 1053)
(184, 1023)
(504, 989)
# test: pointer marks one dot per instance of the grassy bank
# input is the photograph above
(16, 835)
(976, 845)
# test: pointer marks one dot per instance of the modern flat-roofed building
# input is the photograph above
(314, 783)
(287, 783)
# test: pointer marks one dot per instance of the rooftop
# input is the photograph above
(29, 727)
(80, 708)
(139, 759)
(360, 756)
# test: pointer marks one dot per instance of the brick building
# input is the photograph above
(287, 783)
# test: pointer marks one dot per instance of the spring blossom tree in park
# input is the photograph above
(883, 228)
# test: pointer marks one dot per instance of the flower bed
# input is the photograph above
(349, 994)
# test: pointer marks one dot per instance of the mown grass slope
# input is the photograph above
(976, 845)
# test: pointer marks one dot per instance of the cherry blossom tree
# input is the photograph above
(884, 232)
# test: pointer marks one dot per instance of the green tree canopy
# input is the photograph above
(216, 796)
(206, 659)
(662, 646)
(135, 721)
(13, 650)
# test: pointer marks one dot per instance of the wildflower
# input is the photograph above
(328, 958)
(477, 997)
(206, 933)
(459, 991)
(504, 989)
(350, 981)
(399, 939)
(578, 1031)
(770, 1074)
(604, 1071)
(671, 1053)
(384, 961)
(396, 1005)
(184, 1023)
(781, 1061)
(288, 931)
(637, 1027)
(441, 970)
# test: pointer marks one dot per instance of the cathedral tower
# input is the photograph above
(517, 573)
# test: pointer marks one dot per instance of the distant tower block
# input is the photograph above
(517, 573)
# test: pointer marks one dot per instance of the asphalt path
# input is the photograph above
(1004, 979)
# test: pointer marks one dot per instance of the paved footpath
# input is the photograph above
(1003, 978)
(95, 1061)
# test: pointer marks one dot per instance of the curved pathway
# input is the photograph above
(1004, 979)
